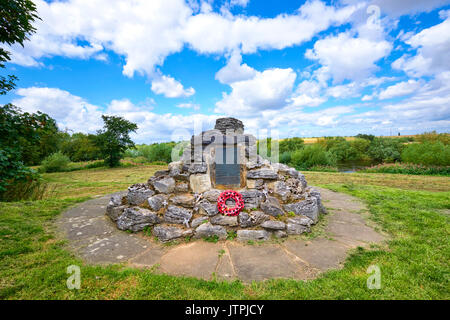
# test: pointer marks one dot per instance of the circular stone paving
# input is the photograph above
(93, 237)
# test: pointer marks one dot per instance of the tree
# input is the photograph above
(385, 149)
(47, 142)
(291, 144)
(80, 146)
(15, 27)
(114, 139)
(15, 129)
(369, 137)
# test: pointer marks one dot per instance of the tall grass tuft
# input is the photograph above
(29, 190)
(408, 168)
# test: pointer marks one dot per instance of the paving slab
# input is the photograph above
(149, 257)
(354, 232)
(198, 259)
(321, 253)
(260, 262)
(225, 269)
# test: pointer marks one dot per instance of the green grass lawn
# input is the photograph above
(414, 264)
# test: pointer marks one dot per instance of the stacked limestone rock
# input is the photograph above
(181, 201)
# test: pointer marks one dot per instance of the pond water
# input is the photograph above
(352, 166)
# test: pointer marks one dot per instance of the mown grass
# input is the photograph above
(414, 263)
(401, 181)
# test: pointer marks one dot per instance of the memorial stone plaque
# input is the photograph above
(227, 166)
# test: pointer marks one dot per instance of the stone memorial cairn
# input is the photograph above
(182, 201)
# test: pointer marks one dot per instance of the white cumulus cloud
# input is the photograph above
(170, 87)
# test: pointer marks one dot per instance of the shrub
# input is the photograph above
(341, 148)
(361, 146)
(408, 168)
(30, 189)
(312, 155)
(369, 137)
(80, 147)
(385, 149)
(56, 162)
(324, 168)
(427, 153)
(290, 144)
(285, 157)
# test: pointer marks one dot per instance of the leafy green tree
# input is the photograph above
(369, 137)
(385, 149)
(291, 144)
(48, 142)
(15, 127)
(361, 146)
(16, 18)
(81, 147)
(427, 153)
(312, 155)
(114, 139)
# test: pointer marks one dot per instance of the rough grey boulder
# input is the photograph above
(198, 221)
(211, 195)
(280, 234)
(198, 168)
(301, 220)
(252, 198)
(114, 212)
(208, 230)
(158, 201)
(253, 165)
(282, 190)
(136, 219)
(316, 194)
(175, 168)
(308, 207)
(252, 219)
(167, 233)
(255, 183)
(164, 185)
(272, 207)
(229, 124)
(116, 200)
(294, 228)
(182, 187)
(184, 200)
(262, 174)
(138, 194)
(302, 180)
(224, 220)
(273, 225)
(176, 214)
(183, 176)
(205, 138)
(115, 208)
(207, 208)
(255, 235)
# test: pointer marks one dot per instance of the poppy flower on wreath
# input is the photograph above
(226, 195)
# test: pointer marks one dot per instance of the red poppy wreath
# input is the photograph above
(230, 194)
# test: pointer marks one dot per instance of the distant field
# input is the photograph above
(315, 140)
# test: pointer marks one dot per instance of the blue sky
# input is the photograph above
(294, 68)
